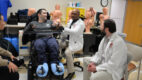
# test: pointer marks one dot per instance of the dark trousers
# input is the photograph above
(43, 45)
(4, 71)
(6, 75)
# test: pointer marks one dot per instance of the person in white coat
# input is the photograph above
(109, 62)
(74, 30)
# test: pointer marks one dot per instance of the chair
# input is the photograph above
(77, 63)
(23, 49)
(129, 57)
(63, 45)
(136, 52)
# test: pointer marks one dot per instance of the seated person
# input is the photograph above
(109, 62)
(43, 42)
(8, 68)
(74, 31)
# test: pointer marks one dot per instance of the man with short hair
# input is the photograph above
(109, 62)
(43, 42)
(74, 30)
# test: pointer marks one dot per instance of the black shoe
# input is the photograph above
(21, 62)
(70, 76)
(18, 62)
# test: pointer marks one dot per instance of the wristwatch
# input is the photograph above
(8, 62)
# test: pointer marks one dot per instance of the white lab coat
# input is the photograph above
(114, 57)
(75, 34)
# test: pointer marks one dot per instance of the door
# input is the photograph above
(133, 21)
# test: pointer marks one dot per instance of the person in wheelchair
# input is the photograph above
(43, 42)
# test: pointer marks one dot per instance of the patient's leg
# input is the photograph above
(40, 48)
(53, 48)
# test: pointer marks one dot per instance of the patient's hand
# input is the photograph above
(55, 23)
(91, 67)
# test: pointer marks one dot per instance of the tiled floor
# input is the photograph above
(133, 76)
(79, 75)
(23, 74)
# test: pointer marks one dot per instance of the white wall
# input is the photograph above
(91, 3)
(49, 4)
(116, 7)
(118, 13)
(37, 4)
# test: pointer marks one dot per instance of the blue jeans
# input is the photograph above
(43, 45)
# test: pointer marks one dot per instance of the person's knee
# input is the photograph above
(38, 44)
(68, 52)
(86, 60)
(53, 45)
(94, 78)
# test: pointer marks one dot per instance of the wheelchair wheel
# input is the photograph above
(30, 75)
(30, 72)
(61, 77)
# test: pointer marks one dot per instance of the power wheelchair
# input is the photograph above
(33, 63)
